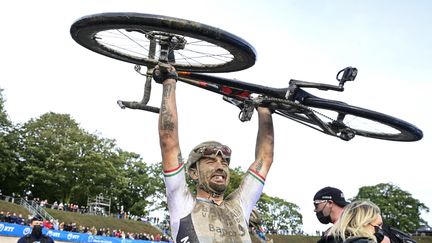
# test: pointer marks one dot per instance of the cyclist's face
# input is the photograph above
(214, 172)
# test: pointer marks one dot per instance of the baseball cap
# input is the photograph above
(36, 218)
(331, 193)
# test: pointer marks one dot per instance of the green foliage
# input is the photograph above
(144, 187)
(9, 170)
(59, 155)
(53, 158)
(236, 177)
(279, 214)
(59, 161)
(398, 208)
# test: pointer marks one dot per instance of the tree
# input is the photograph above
(61, 160)
(278, 214)
(398, 208)
(141, 186)
(9, 170)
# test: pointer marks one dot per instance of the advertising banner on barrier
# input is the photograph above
(16, 230)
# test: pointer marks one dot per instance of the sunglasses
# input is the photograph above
(318, 202)
(213, 151)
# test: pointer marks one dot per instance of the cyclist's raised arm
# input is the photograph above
(264, 144)
(168, 121)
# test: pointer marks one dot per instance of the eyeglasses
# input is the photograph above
(318, 202)
(213, 151)
(377, 226)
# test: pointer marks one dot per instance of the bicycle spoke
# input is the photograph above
(136, 43)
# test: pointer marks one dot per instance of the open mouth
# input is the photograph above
(218, 178)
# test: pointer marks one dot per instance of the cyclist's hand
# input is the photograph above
(262, 103)
(163, 72)
(265, 109)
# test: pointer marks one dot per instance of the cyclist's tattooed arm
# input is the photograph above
(168, 126)
(264, 143)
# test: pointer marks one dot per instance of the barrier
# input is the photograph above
(7, 229)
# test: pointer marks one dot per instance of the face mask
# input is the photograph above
(37, 231)
(323, 219)
(379, 234)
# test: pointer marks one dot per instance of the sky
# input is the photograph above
(44, 70)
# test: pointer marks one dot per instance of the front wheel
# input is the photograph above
(345, 121)
(141, 38)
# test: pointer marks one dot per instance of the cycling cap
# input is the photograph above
(208, 149)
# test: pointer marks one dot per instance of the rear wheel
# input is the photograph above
(346, 121)
(137, 38)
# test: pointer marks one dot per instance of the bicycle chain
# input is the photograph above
(289, 102)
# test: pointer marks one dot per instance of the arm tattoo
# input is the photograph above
(166, 114)
(258, 165)
(179, 157)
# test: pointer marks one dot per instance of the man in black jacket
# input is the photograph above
(329, 203)
(36, 234)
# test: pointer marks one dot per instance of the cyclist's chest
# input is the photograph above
(224, 223)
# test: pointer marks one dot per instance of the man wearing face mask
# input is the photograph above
(36, 235)
(329, 203)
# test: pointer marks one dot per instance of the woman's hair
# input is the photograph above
(354, 220)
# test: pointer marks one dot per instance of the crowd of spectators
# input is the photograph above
(13, 218)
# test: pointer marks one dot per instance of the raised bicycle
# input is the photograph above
(194, 49)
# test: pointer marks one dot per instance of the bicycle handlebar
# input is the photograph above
(137, 106)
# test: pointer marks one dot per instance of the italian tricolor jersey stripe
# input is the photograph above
(257, 176)
(173, 172)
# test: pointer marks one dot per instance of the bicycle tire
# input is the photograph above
(391, 128)
(235, 53)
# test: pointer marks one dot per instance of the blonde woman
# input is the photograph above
(361, 222)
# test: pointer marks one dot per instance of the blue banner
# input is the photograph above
(21, 230)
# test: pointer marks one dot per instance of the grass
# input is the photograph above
(87, 220)
(140, 227)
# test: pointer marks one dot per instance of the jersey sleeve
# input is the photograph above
(179, 198)
(249, 192)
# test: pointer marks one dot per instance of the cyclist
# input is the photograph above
(208, 216)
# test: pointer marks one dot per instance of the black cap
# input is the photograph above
(36, 218)
(331, 193)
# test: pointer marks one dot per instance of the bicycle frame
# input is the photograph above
(150, 40)
(242, 91)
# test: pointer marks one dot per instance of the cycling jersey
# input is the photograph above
(201, 220)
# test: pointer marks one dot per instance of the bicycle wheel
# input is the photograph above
(136, 38)
(344, 118)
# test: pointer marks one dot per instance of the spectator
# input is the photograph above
(329, 203)
(36, 233)
(2, 216)
(20, 220)
(361, 222)
(55, 205)
(13, 218)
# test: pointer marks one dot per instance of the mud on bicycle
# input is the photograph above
(195, 49)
